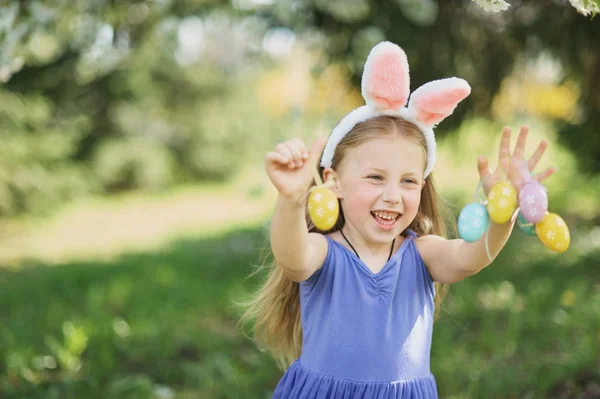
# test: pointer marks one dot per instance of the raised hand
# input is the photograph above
(291, 166)
(515, 167)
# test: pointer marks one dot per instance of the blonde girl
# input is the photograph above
(349, 312)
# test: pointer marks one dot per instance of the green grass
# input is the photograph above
(128, 327)
(119, 329)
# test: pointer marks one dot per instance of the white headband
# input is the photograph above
(386, 87)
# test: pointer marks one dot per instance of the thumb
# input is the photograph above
(316, 150)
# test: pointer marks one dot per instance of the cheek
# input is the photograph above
(363, 196)
(412, 199)
(367, 193)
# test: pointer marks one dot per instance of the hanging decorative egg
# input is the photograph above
(502, 202)
(533, 201)
(553, 232)
(472, 222)
(525, 226)
(323, 208)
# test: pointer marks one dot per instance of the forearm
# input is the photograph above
(475, 253)
(289, 233)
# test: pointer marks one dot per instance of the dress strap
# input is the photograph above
(411, 233)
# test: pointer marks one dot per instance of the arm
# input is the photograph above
(297, 251)
(450, 261)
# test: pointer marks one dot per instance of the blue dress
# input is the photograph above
(365, 335)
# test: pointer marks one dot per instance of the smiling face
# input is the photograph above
(379, 184)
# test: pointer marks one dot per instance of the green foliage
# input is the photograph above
(101, 96)
(133, 163)
(459, 38)
(163, 324)
(38, 171)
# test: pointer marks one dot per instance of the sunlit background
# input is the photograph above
(134, 203)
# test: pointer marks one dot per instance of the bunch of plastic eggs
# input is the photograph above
(533, 219)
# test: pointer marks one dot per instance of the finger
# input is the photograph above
(540, 177)
(296, 152)
(537, 155)
(504, 152)
(521, 141)
(275, 157)
(482, 167)
(303, 149)
(282, 149)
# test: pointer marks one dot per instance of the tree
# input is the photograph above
(461, 39)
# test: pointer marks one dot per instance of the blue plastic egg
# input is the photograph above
(472, 222)
(525, 226)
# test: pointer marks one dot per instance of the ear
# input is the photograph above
(330, 175)
(436, 100)
(385, 81)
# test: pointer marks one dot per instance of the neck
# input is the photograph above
(365, 248)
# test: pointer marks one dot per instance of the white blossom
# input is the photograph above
(586, 7)
(492, 5)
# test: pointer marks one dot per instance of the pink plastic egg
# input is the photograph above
(533, 201)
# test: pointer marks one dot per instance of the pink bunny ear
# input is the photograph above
(436, 100)
(385, 81)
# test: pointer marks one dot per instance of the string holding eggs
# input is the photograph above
(533, 216)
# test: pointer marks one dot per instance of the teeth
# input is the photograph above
(386, 215)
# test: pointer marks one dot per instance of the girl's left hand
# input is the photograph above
(513, 166)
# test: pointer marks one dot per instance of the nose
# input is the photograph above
(392, 194)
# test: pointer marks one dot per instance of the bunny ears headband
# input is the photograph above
(385, 88)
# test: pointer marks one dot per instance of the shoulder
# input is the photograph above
(441, 257)
(426, 239)
(317, 248)
(427, 242)
(431, 247)
(318, 245)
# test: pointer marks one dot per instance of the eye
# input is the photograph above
(375, 177)
(411, 181)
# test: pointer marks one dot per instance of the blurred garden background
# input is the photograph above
(134, 203)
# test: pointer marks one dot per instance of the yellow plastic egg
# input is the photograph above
(553, 232)
(502, 202)
(323, 208)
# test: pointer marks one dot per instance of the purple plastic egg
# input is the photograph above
(533, 201)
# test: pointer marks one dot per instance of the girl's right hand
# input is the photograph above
(291, 167)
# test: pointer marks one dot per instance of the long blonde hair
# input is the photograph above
(275, 307)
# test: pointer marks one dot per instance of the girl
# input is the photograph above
(352, 308)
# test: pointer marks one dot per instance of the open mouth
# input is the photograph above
(387, 219)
